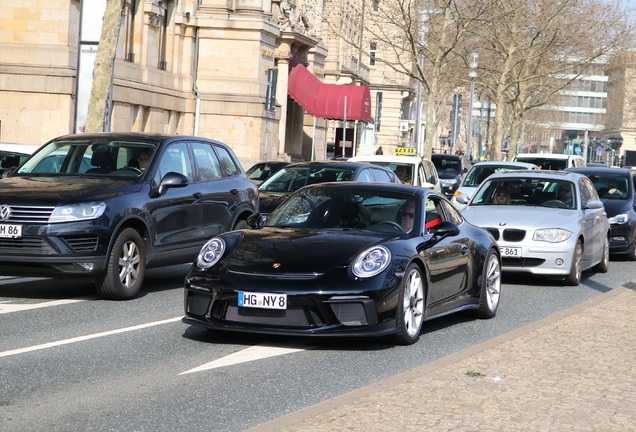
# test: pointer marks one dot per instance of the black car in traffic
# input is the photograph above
(616, 187)
(294, 176)
(109, 205)
(451, 170)
(346, 259)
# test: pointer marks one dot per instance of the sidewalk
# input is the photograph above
(573, 371)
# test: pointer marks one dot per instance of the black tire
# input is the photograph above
(490, 286)
(125, 268)
(576, 269)
(410, 308)
(603, 265)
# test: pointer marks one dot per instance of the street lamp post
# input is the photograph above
(472, 74)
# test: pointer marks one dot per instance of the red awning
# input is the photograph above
(328, 100)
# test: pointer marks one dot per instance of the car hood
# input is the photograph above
(616, 207)
(53, 191)
(292, 250)
(269, 201)
(523, 217)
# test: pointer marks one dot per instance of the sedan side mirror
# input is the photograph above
(462, 199)
(594, 204)
(172, 180)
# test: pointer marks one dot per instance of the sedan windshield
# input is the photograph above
(512, 191)
(317, 208)
(90, 157)
(293, 178)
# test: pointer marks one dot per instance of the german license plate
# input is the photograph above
(262, 300)
(10, 231)
(510, 252)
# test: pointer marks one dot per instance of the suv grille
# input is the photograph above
(29, 245)
(82, 244)
(30, 214)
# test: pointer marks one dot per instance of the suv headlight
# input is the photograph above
(551, 235)
(619, 219)
(211, 253)
(371, 262)
(77, 212)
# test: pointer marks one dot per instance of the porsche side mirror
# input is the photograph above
(446, 229)
(255, 220)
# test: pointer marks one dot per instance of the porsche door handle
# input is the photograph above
(197, 195)
(464, 250)
(234, 191)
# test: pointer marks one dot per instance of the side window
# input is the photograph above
(231, 166)
(207, 162)
(452, 213)
(433, 214)
(381, 176)
(431, 173)
(365, 176)
(174, 159)
(421, 173)
(585, 192)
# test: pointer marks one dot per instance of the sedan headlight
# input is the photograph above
(551, 235)
(77, 212)
(211, 253)
(371, 262)
(619, 219)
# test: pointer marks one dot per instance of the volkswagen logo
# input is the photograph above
(5, 212)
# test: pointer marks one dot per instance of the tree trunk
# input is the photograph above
(104, 65)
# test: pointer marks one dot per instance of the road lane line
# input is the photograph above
(256, 352)
(87, 337)
(6, 307)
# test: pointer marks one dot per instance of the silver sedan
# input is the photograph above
(546, 222)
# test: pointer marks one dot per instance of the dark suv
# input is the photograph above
(451, 170)
(110, 205)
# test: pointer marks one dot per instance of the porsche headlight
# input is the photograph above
(371, 262)
(551, 235)
(619, 219)
(77, 212)
(211, 253)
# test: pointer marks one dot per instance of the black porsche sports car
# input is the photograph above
(344, 259)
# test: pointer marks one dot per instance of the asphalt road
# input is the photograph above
(71, 362)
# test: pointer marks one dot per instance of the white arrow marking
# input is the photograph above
(256, 352)
(17, 307)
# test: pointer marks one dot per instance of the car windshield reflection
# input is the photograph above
(323, 208)
(526, 191)
(90, 157)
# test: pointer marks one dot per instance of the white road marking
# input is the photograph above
(6, 307)
(256, 352)
(87, 337)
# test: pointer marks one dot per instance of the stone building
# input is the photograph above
(193, 67)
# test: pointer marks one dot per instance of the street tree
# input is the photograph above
(104, 67)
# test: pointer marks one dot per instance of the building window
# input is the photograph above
(372, 50)
(130, 10)
(163, 37)
(375, 6)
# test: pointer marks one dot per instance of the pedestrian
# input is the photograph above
(379, 151)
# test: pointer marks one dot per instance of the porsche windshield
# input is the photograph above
(89, 157)
(513, 191)
(319, 207)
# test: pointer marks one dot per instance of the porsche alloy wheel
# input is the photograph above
(125, 268)
(410, 310)
(576, 271)
(490, 287)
